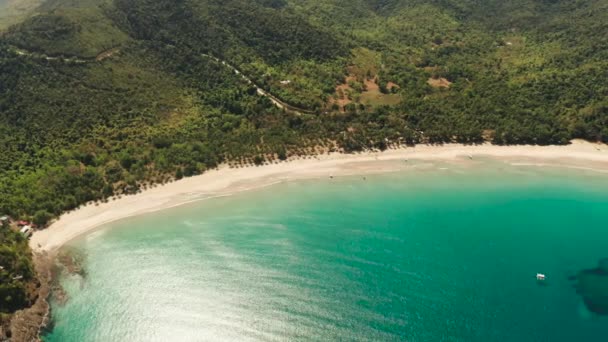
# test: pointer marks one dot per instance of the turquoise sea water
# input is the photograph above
(433, 255)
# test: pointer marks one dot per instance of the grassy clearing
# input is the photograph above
(361, 85)
(82, 32)
(376, 98)
(439, 82)
(14, 11)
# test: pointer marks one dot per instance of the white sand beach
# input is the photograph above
(225, 180)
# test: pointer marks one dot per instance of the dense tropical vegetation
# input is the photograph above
(16, 271)
(101, 98)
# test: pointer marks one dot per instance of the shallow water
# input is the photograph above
(441, 254)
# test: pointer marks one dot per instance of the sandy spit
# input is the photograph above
(226, 181)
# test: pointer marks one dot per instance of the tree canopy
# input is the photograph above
(101, 98)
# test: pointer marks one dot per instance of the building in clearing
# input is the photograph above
(285, 82)
(26, 231)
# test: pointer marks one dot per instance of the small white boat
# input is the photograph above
(540, 277)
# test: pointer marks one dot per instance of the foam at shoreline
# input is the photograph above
(226, 181)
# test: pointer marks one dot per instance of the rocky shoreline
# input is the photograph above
(27, 324)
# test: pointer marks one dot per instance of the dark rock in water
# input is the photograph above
(59, 295)
(592, 285)
(72, 261)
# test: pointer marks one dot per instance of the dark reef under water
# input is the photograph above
(592, 286)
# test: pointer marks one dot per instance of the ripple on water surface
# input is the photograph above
(443, 255)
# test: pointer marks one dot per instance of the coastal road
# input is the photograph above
(278, 103)
(110, 52)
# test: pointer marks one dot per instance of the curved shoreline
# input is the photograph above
(226, 181)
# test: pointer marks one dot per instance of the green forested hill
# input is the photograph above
(100, 98)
